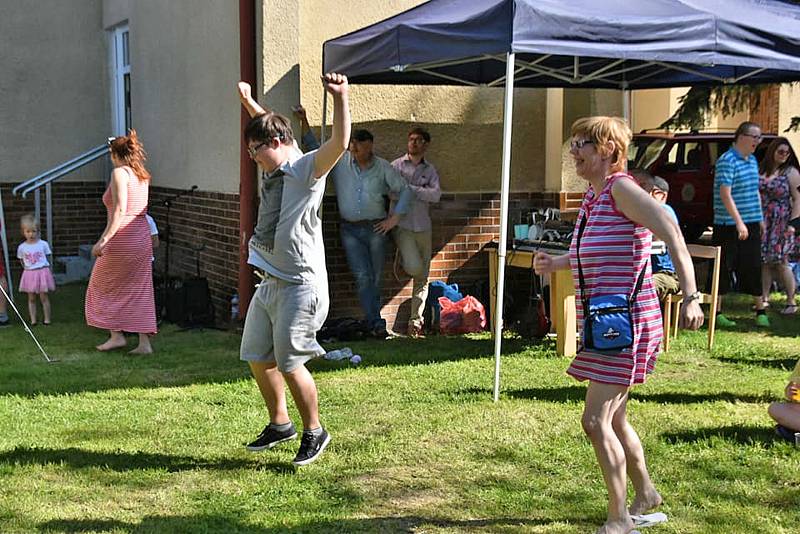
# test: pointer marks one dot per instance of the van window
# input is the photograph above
(646, 153)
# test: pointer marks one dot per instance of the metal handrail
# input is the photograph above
(45, 180)
(57, 172)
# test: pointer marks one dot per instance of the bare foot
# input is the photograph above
(112, 344)
(141, 350)
(643, 503)
(619, 526)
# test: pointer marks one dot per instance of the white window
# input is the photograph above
(120, 80)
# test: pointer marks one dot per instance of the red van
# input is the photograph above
(686, 161)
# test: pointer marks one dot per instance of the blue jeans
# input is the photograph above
(366, 252)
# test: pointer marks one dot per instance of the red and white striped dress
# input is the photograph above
(614, 250)
(120, 292)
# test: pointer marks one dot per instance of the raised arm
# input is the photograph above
(330, 152)
(639, 207)
(309, 140)
(246, 98)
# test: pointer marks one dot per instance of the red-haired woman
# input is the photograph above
(120, 293)
(780, 199)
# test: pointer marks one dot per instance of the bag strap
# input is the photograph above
(582, 282)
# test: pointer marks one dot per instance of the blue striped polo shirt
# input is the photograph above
(742, 176)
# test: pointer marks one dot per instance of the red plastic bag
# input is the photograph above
(462, 317)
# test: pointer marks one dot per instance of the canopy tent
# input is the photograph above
(610, 44)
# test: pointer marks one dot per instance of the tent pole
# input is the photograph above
(4, 239)
(501, 250)
(626, 104)
(324, 115)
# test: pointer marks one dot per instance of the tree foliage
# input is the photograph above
(698, 105)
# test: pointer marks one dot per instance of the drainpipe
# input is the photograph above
(247, 169)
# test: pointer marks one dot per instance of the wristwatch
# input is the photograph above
(694, 296)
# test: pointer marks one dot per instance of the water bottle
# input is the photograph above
(340, 354)
(235, 307)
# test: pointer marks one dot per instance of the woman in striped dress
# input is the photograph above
(120, 293)
(614, 249)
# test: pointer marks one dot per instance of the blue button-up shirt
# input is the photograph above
(360, 193)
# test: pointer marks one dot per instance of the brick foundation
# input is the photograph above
(462, 224)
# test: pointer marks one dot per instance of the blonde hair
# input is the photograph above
(600, 130)
(29, 221)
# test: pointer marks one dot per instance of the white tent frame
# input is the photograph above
(567, 75)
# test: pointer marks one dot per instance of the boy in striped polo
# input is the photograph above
(738, 219)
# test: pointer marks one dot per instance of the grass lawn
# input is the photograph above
(108, 443)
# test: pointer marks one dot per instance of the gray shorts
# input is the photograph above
(282, 323)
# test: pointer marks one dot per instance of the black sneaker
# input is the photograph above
(311, 447)
(4, 323)
(270, 437)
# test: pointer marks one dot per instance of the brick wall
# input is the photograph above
(205, 226)
(462, 225)
(78, 217)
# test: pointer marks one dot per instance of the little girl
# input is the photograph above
(36, 278)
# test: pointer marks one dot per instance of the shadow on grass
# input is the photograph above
(738, 435)
(784, 364)
(181, 359)
(578, 393)
(128, 461)
(210, 523)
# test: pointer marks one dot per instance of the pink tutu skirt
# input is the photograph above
(37, 281)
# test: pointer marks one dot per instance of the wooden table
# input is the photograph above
(562, 298)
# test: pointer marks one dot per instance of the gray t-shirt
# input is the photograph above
(287, 241)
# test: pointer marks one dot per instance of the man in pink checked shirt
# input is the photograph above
(413, 232)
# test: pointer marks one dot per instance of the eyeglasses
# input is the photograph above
(783, 152)
(754, 136)
(253, 149)
(417, 140)
(579, 144)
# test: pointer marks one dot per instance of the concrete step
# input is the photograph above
(85, 251)
(75, 268)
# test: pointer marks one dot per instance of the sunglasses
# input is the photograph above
(577, 145)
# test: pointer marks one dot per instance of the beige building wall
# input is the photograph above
(53, 87)
(789, 107)
(465, 123)
(184, 69)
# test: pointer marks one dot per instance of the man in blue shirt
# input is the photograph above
(363, 182)
(664, 276)
(738, 219)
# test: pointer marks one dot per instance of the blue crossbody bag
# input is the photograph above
(607, 319)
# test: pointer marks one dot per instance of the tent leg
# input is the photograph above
(508, 107)
(4, 239)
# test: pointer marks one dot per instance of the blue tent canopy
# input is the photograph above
(608, 44)
(598, 44)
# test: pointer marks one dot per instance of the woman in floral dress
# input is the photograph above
(780, 199)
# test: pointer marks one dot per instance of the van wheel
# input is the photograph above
(692, 232)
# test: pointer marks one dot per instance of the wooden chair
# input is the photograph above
(672, 303)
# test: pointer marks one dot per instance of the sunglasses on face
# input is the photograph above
(580, 143)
